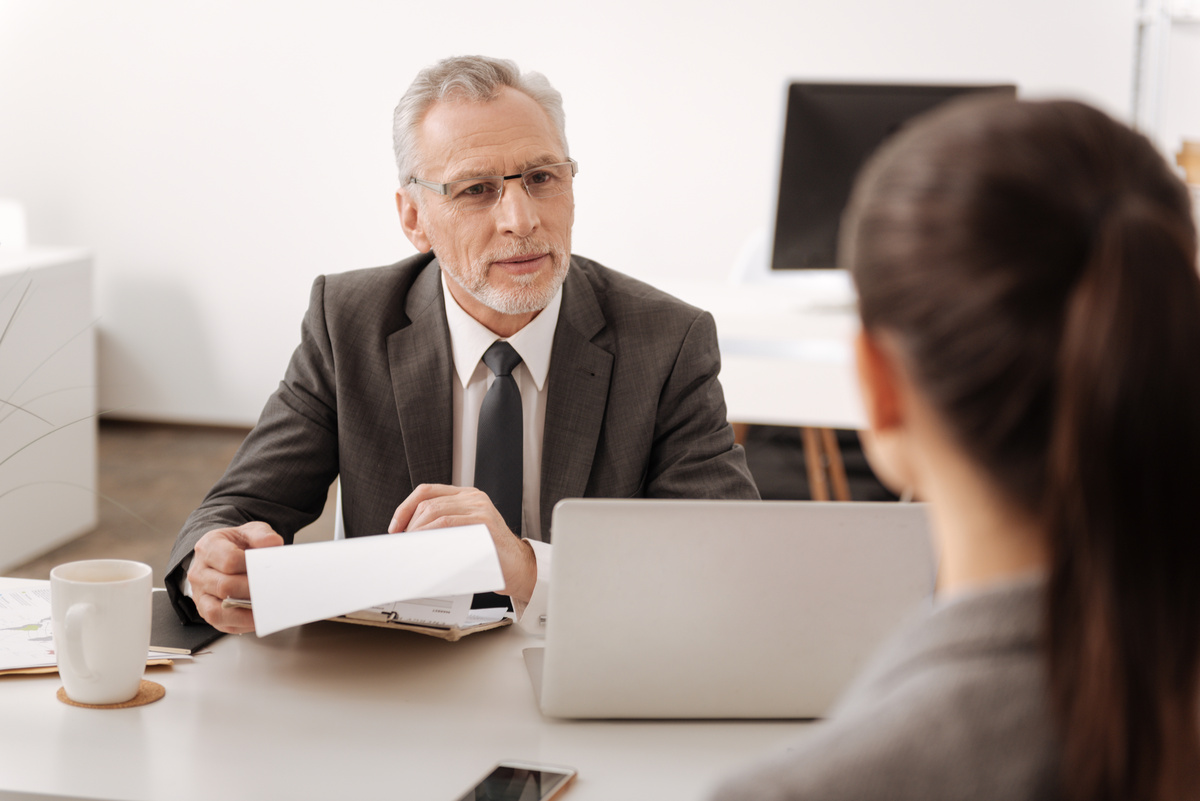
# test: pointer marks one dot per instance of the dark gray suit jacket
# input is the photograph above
(633, 406)
(954, 707)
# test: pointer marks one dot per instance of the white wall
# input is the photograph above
(219, 155)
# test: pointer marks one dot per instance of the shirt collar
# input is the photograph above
(469, 338)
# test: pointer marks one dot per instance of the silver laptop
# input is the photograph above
(722, 609)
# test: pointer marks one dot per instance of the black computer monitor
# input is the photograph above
(829, 131)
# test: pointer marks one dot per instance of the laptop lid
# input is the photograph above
(723, 609)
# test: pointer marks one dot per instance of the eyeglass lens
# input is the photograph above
(540, 182)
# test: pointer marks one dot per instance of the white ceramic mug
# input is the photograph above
(100, 613)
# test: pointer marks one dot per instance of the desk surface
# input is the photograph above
(787, 351)
(331, 710)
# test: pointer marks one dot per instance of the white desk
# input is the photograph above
(785, 358)
(334, 711)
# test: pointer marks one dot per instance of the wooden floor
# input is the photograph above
(151, 477)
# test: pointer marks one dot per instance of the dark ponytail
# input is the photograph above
(1122, 628)
(1037, 263)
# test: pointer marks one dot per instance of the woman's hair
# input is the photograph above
(1036, 263)
(476, 78)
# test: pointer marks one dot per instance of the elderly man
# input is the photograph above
(480, 381)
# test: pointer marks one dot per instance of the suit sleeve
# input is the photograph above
(282, 471)
(694, 453)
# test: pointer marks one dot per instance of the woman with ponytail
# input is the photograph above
(1030, 365)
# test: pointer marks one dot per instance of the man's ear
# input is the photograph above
(879, 380)
(411, 221)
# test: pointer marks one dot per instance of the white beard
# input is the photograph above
(532, 292)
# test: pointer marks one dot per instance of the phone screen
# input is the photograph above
(518, 783)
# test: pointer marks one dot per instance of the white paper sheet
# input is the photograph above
(298, 584)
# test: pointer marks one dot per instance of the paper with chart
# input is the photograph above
(26, 637)
(297, 584)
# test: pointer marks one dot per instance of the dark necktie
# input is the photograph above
(499, 462)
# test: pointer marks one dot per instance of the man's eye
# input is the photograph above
(540, 177)
(477, 189)
(474, 189)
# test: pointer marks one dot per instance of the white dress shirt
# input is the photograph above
(469, 339)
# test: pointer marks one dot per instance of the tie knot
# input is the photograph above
(501, 358)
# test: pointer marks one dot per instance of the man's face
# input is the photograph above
(504, 263)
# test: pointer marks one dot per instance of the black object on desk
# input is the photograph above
(169, 635)
(830, 129)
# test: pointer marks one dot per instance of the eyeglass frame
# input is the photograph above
(443, 189)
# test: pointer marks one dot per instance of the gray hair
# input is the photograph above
(477, 78)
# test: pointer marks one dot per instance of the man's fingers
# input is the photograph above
(219, 584)
(446, 521)
(218, 571)
(217, 550)
(402, 517)
(465, 507)
(224, 549)
(228, 620)
(425, 513)
(256, 535)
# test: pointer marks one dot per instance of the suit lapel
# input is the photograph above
(577, 395)
(422, 368)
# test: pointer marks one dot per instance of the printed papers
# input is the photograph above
(26, 639)
(298, 584)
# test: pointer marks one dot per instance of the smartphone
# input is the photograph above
(521, 781)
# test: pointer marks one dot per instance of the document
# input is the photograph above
(26, 638)
(449, 617)
(447, 610)
(299, 584)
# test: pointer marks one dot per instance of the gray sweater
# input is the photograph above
(952, 707)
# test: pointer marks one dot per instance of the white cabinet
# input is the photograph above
(47, 401)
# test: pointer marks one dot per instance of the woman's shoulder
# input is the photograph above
(950, 709)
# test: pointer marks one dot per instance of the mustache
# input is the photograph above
(524, 248)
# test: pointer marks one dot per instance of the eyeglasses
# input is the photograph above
(471, 194)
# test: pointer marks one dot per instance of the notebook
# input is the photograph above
(167, 634)
(722, 609)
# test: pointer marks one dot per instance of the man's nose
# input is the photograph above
(517, 212)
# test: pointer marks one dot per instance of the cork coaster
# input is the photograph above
(148, 693)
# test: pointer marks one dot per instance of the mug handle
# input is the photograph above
(76, 659)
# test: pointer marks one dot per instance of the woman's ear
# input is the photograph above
(887, 442)
(411, 221)
(878, 382)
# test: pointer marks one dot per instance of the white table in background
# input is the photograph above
(787, 359)
(787, 349)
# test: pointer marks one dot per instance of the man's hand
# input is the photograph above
(218, 572)
(441, 506)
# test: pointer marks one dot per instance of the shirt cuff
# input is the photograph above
(185, 586)
(532, 616)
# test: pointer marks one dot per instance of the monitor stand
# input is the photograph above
(812, 289)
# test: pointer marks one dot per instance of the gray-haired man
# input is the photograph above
(390, 389)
